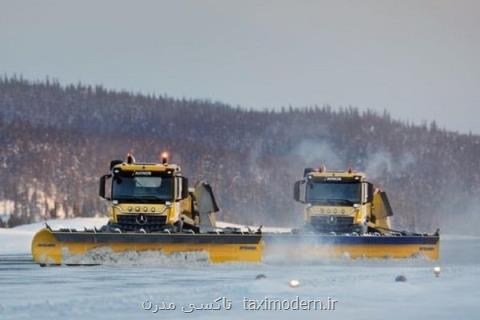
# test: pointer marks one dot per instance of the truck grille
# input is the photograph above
(332, 223)
(135, 222)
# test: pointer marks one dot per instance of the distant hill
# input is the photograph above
(56, 140)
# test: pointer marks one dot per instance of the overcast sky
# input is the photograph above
(417, 59)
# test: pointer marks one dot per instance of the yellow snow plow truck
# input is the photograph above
(345, 216)
(150, 208)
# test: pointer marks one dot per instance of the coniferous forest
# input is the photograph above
(56, 140)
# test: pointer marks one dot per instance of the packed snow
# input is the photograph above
(149, 285)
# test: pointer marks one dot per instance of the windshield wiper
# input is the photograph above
(140, 197)
(342, 201)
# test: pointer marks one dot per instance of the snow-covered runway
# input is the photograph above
(364, 289)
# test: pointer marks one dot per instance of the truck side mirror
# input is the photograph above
(184, 188)
(181, 188)
(298, 195)
(101, 188)
(367, 192)
(370, 192)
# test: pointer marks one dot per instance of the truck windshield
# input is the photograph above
(333, 193)
(141, 189)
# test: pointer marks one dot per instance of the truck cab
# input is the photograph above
(149, 197)
(341, 202)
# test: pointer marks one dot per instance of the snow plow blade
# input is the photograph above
(67, 247)
(313, 246)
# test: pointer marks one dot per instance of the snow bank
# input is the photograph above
(17, 240)
(14, 241)
(458, 237)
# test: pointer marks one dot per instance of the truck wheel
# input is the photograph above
(360, 229)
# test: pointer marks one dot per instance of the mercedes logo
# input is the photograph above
(332, 220)
(141, 219)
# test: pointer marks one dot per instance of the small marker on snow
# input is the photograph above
(436, 271)
(401, 278)
(294, 283)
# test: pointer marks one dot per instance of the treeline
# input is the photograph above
(55, 141)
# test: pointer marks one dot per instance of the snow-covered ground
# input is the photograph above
(364, 289)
